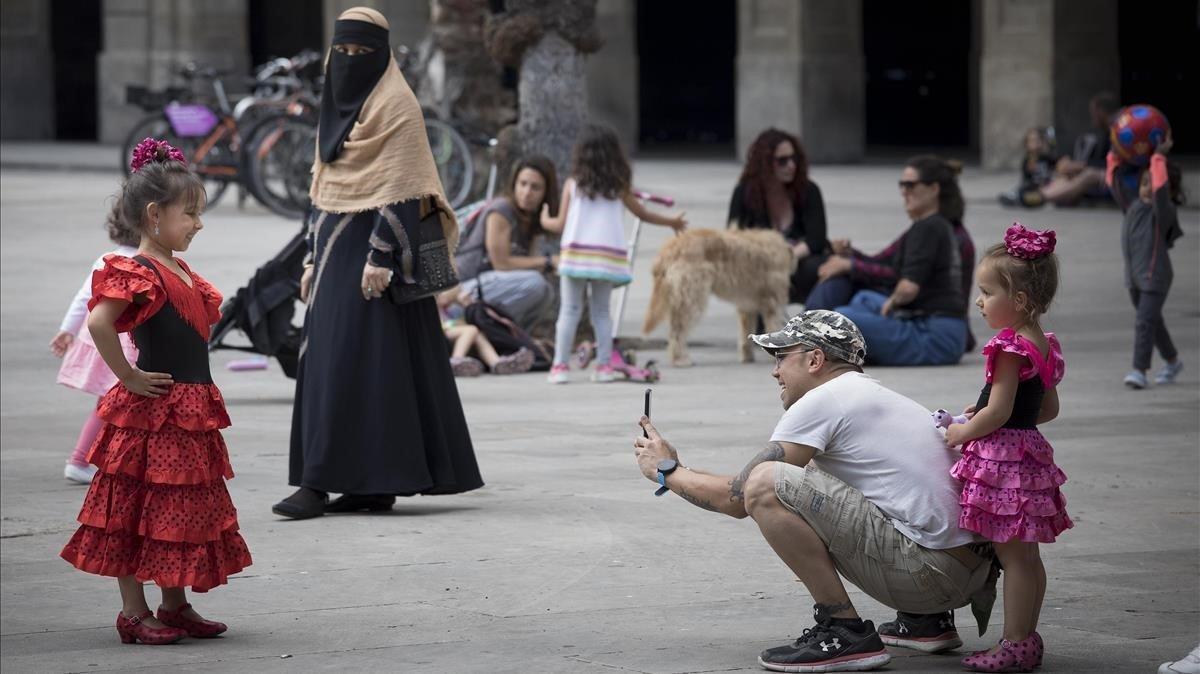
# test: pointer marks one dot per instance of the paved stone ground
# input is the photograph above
(565, 561)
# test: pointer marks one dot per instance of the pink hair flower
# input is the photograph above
(1028, 244)
(151, 150)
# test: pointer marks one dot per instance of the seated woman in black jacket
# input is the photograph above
(774, 192)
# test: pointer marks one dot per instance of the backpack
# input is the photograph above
(504, 333)
(470, 258)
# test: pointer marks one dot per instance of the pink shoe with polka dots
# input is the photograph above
(1020, 656)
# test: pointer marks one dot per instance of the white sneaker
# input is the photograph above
(1136, 379)
(1169, 372)
(79, 474)
(1189, 664)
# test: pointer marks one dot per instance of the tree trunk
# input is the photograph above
(553, 95)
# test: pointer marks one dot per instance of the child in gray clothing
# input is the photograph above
(1151, 227)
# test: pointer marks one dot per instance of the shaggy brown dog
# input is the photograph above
(748, 268)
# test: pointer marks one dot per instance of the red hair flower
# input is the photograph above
(1028, 244)
(150, 150)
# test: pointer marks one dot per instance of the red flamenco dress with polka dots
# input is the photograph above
(158, 508)
(1010, 481)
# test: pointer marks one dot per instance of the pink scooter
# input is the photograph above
(624, 363)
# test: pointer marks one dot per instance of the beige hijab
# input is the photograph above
(386, 158)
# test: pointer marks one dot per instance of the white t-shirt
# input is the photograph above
(884, 445)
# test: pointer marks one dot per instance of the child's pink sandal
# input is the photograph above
(1020, 656)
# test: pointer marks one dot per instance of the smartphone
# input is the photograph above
(647, 412)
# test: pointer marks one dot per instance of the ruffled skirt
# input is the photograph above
(158, 508)
(1011, 488)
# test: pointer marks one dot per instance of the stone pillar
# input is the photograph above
(800, 68)
(26, 70)
(1086, 62)
(1016, 80)
(408, 20)
(612, 72)
(1040, 63)
(147, 40)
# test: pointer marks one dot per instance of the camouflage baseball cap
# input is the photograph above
(828, 331)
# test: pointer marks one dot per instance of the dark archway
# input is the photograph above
(1159, 65)
(284, 27)
(687, 55)
(918, 72)
(76, 37)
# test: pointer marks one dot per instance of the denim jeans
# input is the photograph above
(927, 340)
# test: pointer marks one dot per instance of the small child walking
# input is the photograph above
(157, 509)
(82, 367)
(1010, 482)
(593, 257)
(1150, 228)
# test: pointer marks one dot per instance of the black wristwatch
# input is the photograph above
(549, 266)
(665, 468)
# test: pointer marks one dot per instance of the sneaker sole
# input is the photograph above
(850, 663)
(942, 642)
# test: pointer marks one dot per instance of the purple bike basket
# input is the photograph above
(190, 121)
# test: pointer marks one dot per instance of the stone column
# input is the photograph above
(800, 68)
(612, 72)
(1086, 62)
(1016, 80)
(147, 40)
(26, 70)
(1040, 63)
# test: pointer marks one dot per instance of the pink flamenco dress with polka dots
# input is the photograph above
(158, 508)
(1010, 482)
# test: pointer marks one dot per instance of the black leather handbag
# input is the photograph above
(425, 266)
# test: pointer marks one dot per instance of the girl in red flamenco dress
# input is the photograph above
(157, 509)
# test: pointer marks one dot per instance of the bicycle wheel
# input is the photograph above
(278, 163)
(157, 126)
(452, 155)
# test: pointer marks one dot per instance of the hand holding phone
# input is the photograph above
(647, 412)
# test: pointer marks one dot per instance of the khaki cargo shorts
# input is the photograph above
(869, 552)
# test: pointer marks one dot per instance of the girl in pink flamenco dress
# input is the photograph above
(82, 367)
(1010, 482)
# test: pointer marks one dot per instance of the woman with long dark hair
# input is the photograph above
(774, 192)
(505, 266)
(377, 414)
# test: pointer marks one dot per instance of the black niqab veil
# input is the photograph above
(349, 80)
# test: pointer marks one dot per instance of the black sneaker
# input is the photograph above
(829, 647)
(930, 633)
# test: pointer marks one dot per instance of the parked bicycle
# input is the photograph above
(213, 137)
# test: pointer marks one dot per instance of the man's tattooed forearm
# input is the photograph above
(696, 500)
(737, 486)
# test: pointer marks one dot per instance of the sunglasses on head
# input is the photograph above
(785, 160)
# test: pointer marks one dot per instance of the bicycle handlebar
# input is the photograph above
(646, 196)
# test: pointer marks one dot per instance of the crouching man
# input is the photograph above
(855, 480)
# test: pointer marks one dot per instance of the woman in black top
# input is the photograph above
(774, 192)
(923, 319)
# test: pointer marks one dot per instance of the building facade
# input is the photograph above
(846, 75)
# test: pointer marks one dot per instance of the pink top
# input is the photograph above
(1051, 368)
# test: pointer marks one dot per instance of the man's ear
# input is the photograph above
(818, 359)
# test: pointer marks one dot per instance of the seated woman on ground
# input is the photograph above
(511, 274)
(774, 192)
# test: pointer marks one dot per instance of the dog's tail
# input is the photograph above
(658, 300)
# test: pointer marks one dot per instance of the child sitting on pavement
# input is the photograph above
(468, 339)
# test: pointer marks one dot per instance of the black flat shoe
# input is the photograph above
(351, 503)
(304, 504)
